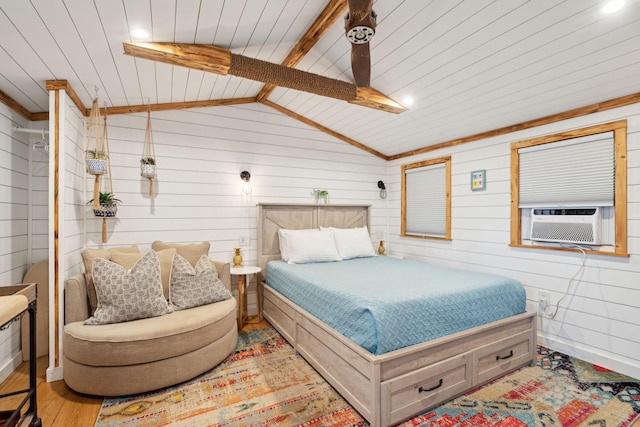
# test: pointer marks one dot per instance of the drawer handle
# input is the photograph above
(420, 390)
(505, 357)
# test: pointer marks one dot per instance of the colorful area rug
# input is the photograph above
(264, 383)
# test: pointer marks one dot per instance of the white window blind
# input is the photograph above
(426, 200)
(575, 172)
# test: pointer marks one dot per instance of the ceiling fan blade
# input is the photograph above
(361, 64)
(359, 10)
(221, 61)
(360, 26)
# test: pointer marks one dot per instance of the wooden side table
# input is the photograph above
(12, 310)
(242, 273)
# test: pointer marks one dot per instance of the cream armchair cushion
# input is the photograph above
(190, 251)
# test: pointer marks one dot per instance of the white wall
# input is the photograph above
(197, 193)
(23, 216)
(599, 321)
(67, 216)
(201, 152)
(72, 225)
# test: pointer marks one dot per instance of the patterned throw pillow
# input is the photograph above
(192, 287)
(128, 295)
(88, 256)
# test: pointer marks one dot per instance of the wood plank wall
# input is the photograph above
(73, 222)
(23, 190)
(197, 197)
(600, 318)
(200, 154)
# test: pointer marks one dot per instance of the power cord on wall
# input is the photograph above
(547, 311)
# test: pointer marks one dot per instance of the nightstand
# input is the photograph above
(242, 273)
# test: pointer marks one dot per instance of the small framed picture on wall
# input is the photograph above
(478, 180)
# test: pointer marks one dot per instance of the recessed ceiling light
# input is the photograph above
(139, 33)
(613, 6)
(407, 100)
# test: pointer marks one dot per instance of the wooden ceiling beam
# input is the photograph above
(331, 13)
(64, 85)
(324, 129)
(221, 61)
(14, 105)
(178, 105)
(369, 97)
(541, 121)
(202, 57)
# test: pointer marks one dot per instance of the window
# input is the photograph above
(426, 199)
(580, 168)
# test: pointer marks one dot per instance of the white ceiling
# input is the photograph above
(471, 66)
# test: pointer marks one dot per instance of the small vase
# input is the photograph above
(381, 247)
(237, 258)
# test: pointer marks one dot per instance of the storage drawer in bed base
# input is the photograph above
(394, 386)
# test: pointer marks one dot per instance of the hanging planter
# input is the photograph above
(107, 205)
(107, 208)
(106, 211)
(148, 160)
(104, 203)
(148, 167)
(96, 162)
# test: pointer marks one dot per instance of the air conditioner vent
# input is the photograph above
(580, 225)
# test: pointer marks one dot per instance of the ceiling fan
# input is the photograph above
(359, 27)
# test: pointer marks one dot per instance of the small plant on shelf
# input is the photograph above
(321, 194)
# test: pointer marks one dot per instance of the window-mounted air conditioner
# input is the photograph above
(576, 225)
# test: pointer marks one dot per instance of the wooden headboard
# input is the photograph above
(272, 217)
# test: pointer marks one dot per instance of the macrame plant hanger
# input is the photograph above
(98, 164)
(95, 155)
(109, 209)
(148, 160)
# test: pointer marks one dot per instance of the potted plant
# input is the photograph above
(96, 161)
(322, 194)
(148, 167)
(108, 205)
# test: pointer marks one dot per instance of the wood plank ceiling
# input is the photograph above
(469, 66)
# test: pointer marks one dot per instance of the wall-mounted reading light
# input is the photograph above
(383, 190)
(246, 182)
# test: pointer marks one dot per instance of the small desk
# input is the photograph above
(14, 312)
(242, 273)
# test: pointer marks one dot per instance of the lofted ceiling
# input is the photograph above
(470, 67)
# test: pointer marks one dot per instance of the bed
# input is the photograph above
(385, 382)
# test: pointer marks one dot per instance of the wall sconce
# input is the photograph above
(246, 182)
(383, 190)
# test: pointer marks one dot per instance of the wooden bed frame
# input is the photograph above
(394, 386)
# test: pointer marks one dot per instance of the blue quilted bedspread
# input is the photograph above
(384, 303)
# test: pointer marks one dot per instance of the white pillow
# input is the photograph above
(282, 239)
(353, 242)
(312, 247)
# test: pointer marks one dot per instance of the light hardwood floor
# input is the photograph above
(58, 405)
